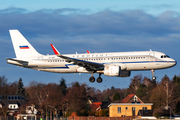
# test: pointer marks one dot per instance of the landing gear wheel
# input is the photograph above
(91, 79)
(153, 78)
(99, 79)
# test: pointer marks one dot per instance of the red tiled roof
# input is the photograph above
(95, 105)
(127, 99)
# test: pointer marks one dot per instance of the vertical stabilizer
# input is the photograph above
(21, 46)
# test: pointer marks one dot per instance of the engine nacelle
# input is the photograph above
(115, 70)
(112, 70)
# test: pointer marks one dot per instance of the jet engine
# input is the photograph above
(112, 70)
(115, 70)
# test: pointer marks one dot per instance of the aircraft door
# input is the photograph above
(151, 57)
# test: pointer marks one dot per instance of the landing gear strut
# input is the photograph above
(153, 77)
(99, 79)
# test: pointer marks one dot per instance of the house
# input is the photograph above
(129, 106)
(12, 102)
(31, 109)
(96, 106)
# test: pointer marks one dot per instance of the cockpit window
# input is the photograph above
(165, 56)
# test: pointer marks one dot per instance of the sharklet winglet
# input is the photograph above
(56, 52)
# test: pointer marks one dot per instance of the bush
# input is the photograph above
(158, 113)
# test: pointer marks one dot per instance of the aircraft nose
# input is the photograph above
(175, 62)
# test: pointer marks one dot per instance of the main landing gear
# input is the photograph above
(153, 77)
(92, 79)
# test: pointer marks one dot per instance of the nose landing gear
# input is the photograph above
(153, 77)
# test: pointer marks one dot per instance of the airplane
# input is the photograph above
(118, 64)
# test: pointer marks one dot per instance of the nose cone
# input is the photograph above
(173, 62)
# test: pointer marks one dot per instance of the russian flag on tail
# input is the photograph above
(24, 47)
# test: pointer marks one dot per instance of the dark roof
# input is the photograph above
(105, 105)
(92, 99)
(13, 102)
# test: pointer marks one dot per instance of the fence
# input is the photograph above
(75, 118)
(101, 118)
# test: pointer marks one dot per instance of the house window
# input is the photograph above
(19, 97)
(144, 108)
(134, 99)
(9, 97)
(119, 109)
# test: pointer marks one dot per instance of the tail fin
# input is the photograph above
(21, 46)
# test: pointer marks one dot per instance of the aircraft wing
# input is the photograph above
(90, 66)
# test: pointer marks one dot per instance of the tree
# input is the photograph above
(116, 96)
(135, 82)
(177, 108)
(4, 111)
(158, 113)
(77, 98)
(20, 88)
(12, 88)
(63, 86)
(104, 113)
(3, 85)
(158, 97)
(176, 82)
(168, 89)
(106, 99)
(141, 91)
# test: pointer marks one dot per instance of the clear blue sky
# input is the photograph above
(96, 25)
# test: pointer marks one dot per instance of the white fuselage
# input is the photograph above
(129, 61)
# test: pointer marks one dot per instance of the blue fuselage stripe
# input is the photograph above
(67, 65)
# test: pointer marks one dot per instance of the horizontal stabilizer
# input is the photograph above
(20, 61)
